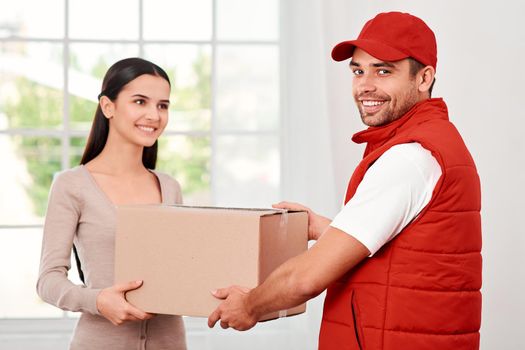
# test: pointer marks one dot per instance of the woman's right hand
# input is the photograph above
(112, 304)
(317, 224)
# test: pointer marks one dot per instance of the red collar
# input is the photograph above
(424, 110)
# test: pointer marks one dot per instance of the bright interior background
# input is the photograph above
(259, 113)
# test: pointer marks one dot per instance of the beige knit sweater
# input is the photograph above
(80, 213)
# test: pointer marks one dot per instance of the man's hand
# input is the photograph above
(317, 224)
(112, 304)
(233, 311)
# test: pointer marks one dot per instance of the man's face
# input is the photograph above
(383, 91)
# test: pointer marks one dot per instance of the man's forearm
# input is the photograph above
(285, 288)
(294, 282)
(308, 274)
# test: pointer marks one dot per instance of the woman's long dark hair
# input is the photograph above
(117, 76)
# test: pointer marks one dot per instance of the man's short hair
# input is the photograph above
(415, 67)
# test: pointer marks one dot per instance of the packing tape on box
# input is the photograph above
(283, 231)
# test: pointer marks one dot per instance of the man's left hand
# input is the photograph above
(233, 311)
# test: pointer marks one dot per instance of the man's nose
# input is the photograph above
(365, 83)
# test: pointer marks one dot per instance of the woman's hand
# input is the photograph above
(317, 224)
(112, 304)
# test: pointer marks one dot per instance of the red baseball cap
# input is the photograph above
(392, 36)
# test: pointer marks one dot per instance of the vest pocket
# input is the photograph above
(357, 321)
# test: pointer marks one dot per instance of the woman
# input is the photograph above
(116, 168)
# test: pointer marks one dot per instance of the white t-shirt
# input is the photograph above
(392, 193)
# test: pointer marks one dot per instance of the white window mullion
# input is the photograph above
(41, 132)
(65, 112)
(213, 107)
(141, 28)
(149, 41)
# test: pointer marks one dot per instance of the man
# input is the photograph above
(402, 260)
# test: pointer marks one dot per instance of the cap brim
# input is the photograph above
(345, 50)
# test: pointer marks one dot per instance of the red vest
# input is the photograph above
(422, 289)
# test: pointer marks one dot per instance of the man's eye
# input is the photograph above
(383, 71)
(357, 71)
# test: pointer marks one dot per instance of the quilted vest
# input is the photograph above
(422, 289)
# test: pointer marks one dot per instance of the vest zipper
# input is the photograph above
(354, 317)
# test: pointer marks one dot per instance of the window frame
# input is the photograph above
(29, 328)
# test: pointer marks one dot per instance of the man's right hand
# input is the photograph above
(112, 304)
(317, 224)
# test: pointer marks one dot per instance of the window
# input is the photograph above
(223, 139)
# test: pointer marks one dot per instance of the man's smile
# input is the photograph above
(371, 106)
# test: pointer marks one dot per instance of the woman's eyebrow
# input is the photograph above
(147, 98)
(140, 95)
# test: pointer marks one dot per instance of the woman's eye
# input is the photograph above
(140, 102)
(163, 106)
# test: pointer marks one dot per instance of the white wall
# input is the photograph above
(480, 74)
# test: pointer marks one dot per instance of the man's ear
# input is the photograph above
(426, 78)
(107, 106)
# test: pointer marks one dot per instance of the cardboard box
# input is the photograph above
(182, 253)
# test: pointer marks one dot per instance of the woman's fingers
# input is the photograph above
(127, 286)
(138, 314)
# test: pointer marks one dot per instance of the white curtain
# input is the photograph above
(319, 114)
(307, 162)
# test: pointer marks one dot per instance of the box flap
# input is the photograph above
(237, 211)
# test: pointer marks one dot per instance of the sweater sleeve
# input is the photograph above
(172, 193)
(178, 192)
(60, 227)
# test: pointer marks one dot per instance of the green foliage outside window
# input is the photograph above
(38, 106)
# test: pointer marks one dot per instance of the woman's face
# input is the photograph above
(139, 114)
